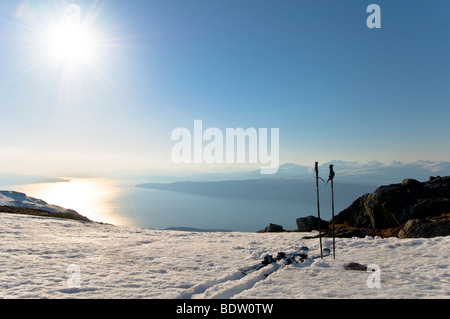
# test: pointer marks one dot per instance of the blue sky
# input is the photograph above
(335, 88)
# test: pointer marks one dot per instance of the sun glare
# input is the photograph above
(70, 43)
(70, 39)
(91, 197)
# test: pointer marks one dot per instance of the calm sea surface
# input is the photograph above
(121, 203)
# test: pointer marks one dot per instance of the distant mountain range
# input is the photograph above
(372, 173)
(394, 172)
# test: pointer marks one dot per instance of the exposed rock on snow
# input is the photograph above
(355, 266)
(416, 228)
(310, 223)
(272, 228)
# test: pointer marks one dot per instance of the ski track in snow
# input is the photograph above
(128, 262)
(228, 286)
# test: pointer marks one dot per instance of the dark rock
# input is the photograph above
(393, 205)
(272, 228)
(355, 266)
(425, 228)
(355, 215)
(411, 183)
(307, 224)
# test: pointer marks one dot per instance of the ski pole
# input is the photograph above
(318, 207)
(331, 177)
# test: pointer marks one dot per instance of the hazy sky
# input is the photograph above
(335, 88)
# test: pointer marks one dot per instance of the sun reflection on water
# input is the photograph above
(90, 197)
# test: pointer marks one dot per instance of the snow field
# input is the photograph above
(127, 262)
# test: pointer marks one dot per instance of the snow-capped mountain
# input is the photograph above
(373, 172)
(16, 199)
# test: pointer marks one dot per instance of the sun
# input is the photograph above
(70, 43)
(71, 46)
(71, 39)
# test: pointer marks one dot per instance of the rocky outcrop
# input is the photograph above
(393, 205)
(407, 206)
(425, 228)
(272, 228)
(310, 223)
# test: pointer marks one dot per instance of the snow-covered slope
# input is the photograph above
(16, 199)
(56, 258)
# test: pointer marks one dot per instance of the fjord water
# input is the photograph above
(121, 203)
